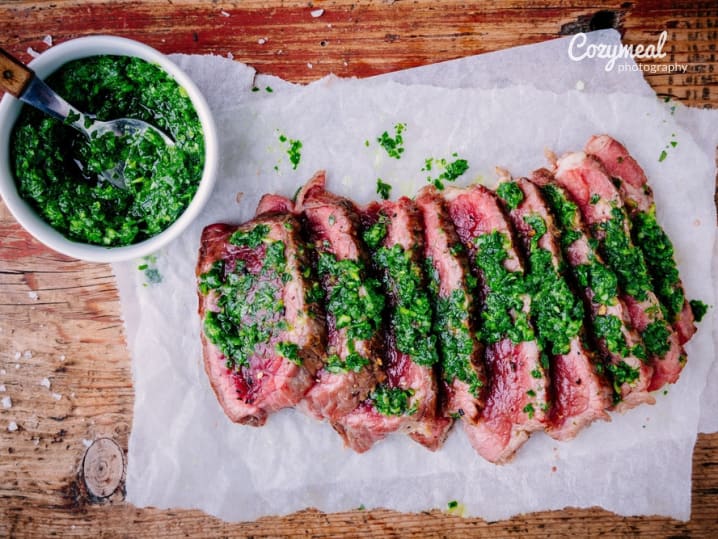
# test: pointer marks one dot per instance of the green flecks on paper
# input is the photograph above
(449, 171)
(394, 146)
(383, 189)
(671, 144)
(149, 268)
(293, 149)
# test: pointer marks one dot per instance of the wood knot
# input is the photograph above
(103, 468)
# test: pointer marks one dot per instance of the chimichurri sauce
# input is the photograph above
(56, 167)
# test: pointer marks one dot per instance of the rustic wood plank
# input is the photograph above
(60, 319)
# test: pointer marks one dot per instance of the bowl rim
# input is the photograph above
(45, 64)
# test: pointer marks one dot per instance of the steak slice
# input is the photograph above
(579, 394)
(516, 399)
(262, 340)
(451, 288)
(616, 338)
(353, 303)
(648, 235)
(408, 399)
(590, 187)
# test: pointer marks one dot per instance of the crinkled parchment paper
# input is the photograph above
(183, 452)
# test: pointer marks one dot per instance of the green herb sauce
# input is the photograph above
(699, 309)
(161, 180)
(622, 373)
(658, 252)
(393, 401)
(557, 312)
(511, 193)
(356, 304)
(624, 257)
(502, 315)
(250, 302)
(411, 317)
(450, 170)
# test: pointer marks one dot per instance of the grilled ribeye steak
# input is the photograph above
(451, 287)
(408, 398)
(648, 234)
(579, 390)
(610, 323)
(591, 189)
(517, 393)
(262, 333)
(352, 299)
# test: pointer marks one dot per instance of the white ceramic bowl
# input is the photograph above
(44, 65)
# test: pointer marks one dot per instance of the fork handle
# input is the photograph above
(14, 75)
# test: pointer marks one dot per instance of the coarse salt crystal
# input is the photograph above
(224, 13)
(3, 389)
(12, 426)
(32, 52)
(7, 403)
(230, 56)
(56, 396)
(47, 40)
(62, 357)
(32, 295)
(17, 355)
(316, 13)
(310, 65)
(262, 40)
(45, 382)
(86, 443)
(27, 354)
(580, 85)
(17, 365)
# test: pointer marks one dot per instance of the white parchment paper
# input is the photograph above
(183, 452)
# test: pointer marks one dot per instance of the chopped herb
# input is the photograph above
(595, 198)
(269, 89)
(511, 194)
(530, 410)
(451, 170)
(663, 156)
(393, 146)
(289, 351)
(383, 189)
(294, 150)
(250, 238)
(622, 373)
(375, 234)
(655, 337)
(393, 401)
(699, 309)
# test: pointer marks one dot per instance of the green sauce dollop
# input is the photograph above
(161, 180)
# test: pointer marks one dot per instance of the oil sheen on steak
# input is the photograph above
(280, 366)
(579, 394)
(353, 334)
(408, 400)
(517, 395)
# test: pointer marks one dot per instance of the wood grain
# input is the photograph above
(59, 318)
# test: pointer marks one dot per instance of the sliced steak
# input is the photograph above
(410, 391)
(590, 187)
(579, 394)
(451, 289)
(353, 303)
(611, 327)
(517, 393)
(648, 234)
(262, 339)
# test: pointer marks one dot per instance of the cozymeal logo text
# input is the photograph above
(578, 49)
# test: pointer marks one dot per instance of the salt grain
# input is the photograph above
(7, 403)
(230, 56)
(86, 443)
(224, 13)
(47, 40)
(27, 354)
(3, 389)
(12, 426)
(580, 85)
(17, 365)
(316, 13)
(45, 382)
(62, 357)
(262, 40)
(32, 52)
(32, 295)
(56, 396)
(17, 355)
(310, 65)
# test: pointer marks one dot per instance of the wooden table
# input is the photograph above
(59, 318)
